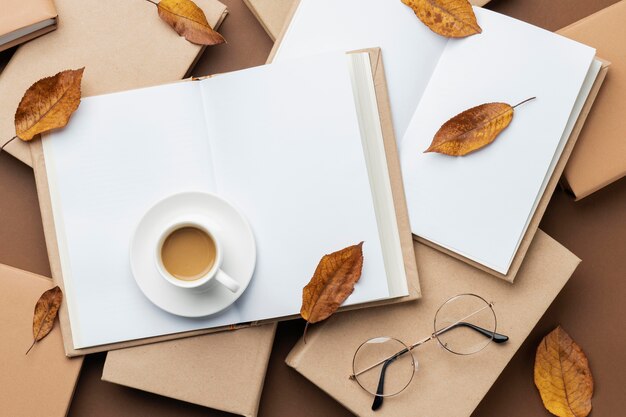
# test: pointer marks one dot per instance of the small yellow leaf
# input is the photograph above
(449, 18)
(48, 104)
(332, 282)
(472, 129)
(188, 20)
(46, 310)
(562, 375)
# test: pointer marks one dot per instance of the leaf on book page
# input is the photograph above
(188, 20)
(562, 375)
(48, 104)
(472, 129)
(332, 282)
(46, 311)
(449, 18)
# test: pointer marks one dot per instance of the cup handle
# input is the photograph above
(225, 279)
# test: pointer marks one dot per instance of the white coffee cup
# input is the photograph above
(214, 274)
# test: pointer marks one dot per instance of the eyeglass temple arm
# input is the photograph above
(378, 399)
(497, 337)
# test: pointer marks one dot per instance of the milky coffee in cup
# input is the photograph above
(188, 253)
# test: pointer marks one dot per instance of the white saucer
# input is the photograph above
(230, 228)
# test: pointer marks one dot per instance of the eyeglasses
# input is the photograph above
(384, 366)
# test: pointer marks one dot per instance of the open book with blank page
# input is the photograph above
(483, 208)
(298, 147)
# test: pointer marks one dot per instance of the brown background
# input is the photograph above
(591, 307)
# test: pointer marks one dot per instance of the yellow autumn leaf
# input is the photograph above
(332, 282)
(562, 375)
(48, 104)
(188, 20)
(472, 129)
(449, 18)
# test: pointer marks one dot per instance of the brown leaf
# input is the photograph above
(562, 375)
(449, 18)
(188, 20)
(332, 282)
(46, 311)
(472, 129)
(48, 104)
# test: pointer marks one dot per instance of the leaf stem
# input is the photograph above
(153, 2)
(7, 142)
(525, 101)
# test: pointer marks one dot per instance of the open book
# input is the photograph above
(306, 165)
(487, 205)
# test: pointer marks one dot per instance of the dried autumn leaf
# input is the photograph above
(562, 375)
(472, 129)
(46, 311)
(188, 20)
(332, 282)
(449, 18)
(48, 104)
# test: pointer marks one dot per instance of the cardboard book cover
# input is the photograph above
(600, 155)
(224, 371)
(41, 383)
(551, 181)
(326, 359)
(399, 203)
(122, 44)
(23, 20)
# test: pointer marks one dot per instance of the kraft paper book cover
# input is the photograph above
(23, 20)
(224, 371)
(599, 158)
(132, 48)
(503, 188)
(326, 358)
(55, 183)
(42, 382)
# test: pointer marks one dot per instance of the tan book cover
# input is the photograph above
(445, 385)
(397, 190)
(42, 382)
(122, 44)
(600, 155)
(23, 20)
(553, 181)
(273, 14)
(224, 371)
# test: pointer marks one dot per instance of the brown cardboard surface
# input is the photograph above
(550, 187)
(273, 14)
(326, 358)
(590, 307)
(224, 371)
(42, 382)
(17, 14)
(397, 188)
(122, 44)
(600, 155)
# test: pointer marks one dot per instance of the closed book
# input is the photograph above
(23, 20)
(444, 384)
(600, 155)
(41, 383)
(122, 44)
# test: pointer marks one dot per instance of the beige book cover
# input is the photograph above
(600, 155)
(42, 382)
(224, 371)
(552, 181)
(122, 44)
(399, 203)
(23, 20)
(445, 385)
(273, 14)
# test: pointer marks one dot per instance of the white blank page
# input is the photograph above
(287, 150)
(410, 50)
(478, 205)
